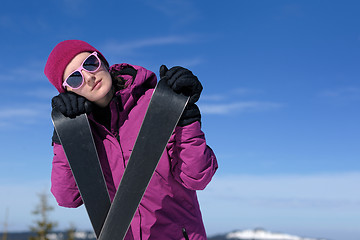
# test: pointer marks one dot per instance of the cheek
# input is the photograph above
(105, 72)
(106, 77)
(80, 92)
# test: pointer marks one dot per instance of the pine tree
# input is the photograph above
(43, 225)
(4, 237)
(71, 232)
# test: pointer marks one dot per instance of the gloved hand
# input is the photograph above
(182, 80)
(71, 105)
(55, 138)
(191, 114)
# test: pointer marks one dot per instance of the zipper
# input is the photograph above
(185, 234)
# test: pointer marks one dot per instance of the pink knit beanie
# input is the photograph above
(61, 56)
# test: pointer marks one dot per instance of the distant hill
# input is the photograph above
(80, 235)
(256, 234)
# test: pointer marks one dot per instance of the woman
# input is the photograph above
(116, 99)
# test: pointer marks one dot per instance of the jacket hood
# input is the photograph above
(144, 79)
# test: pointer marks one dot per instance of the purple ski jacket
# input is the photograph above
(170, 204)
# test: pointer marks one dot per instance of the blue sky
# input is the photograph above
(279, 106)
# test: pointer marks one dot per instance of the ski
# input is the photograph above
(78, 144)
(163, 113)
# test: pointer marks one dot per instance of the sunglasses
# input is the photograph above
(91, 64)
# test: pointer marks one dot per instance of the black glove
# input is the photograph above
(182, 80)
(55, 138)
(71, 105)
(191, 114)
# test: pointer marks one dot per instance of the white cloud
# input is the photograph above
(245, 91)
(241, 106)
(17, 112)
(16, 22)
(187, 63)
(127, 48)
(21, 198)
(33, 71)
(230, 103)
(213, 97)
(348, 92)
(180, 12)
(42, 93)
(233, 93)
(287, 203)
(302, 203)
(337, 187)
(11, 117)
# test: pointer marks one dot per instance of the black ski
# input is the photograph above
(77, 141)
(163, 113)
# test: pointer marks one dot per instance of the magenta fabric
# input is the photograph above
(61, 56)
(170, 201)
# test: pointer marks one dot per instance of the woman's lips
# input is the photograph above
(96, 85)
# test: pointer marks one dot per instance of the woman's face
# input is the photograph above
(97, 86)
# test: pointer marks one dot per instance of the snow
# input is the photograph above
(261, 234)
(77, 235)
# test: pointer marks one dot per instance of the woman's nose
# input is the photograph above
(88, 76)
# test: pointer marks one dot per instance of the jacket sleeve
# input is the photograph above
(63, 185)
(193, 163)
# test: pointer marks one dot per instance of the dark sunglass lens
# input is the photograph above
(91, 63)
(75, 80)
